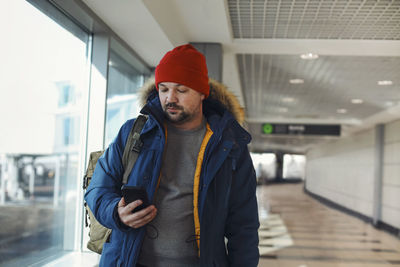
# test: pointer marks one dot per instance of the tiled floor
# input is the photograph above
(298, 231)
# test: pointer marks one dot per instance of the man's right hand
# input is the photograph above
(135, 219)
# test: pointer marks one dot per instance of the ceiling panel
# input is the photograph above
(316, 19)
(330, 83)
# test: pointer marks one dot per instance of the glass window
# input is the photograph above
(294, 166)
(125, 77)
(66, 93)
(265, 166)
(42, 101)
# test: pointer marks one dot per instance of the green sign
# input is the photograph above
(300, 129)
(268, 128)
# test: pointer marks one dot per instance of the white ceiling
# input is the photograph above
(316, 19)
(357, 42)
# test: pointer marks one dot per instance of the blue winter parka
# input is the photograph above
(226, 197)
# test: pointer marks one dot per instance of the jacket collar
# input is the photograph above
(221, 109)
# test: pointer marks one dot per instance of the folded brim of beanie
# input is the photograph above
(189, 77)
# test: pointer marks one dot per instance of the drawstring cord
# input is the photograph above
(155, 230)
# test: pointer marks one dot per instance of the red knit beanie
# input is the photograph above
(184, 65)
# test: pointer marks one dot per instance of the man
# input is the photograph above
(196, 169)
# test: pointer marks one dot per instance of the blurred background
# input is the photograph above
(319, 82)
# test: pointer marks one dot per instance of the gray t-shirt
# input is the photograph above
(175, 244)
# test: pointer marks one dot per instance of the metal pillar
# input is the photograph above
(378, 173)
(98, 92)
(279, 167)
(57, 173)
(3, 162)
(213, 54)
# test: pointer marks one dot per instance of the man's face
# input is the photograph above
(180, 103)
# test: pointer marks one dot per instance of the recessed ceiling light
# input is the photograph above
(288, 99)
(385, 82)
(309, 56)
(389, 103)
(357, 101)
(296, 81)
(341, 111)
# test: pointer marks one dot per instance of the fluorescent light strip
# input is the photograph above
(288, 99)
(309, 56)
(385, 82)
(357, 101)
(296, 81)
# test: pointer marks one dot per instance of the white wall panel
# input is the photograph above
(392, 153)
(343, 172)
(392, 132)
(391, 196)
(391, 175)
(391, 216)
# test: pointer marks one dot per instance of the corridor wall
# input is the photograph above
(342, 171)
(391, 175)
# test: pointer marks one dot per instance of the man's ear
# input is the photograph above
(203, 96)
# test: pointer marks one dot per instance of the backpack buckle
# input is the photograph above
(137, 143)
(84, 186)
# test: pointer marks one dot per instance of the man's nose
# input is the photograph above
(171, 97)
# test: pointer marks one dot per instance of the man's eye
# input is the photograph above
(164, 90)
(182, 90)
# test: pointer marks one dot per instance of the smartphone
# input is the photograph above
(132, 193)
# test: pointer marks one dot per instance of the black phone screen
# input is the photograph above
(132, 193)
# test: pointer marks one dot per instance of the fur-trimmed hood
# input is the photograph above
(218, 92)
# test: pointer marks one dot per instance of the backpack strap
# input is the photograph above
(133, 147)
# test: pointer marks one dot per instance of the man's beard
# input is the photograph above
(182, 117)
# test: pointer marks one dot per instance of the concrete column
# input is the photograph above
(378, 175)
(213, 54)
(98, 92)
(96, 115)
(3, 170)
(57, 173)
(279, 167)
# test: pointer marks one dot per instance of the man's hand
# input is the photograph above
(135, 219)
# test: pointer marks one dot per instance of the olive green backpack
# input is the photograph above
(99, 234)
